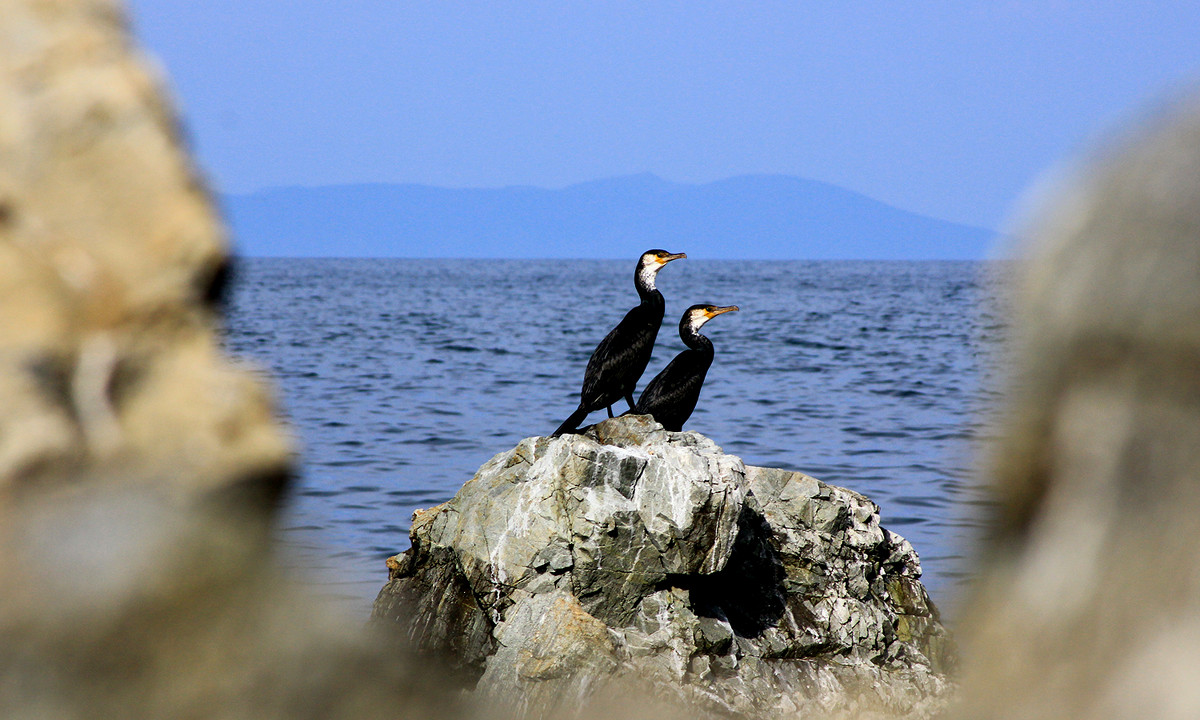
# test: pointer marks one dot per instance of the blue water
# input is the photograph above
(401, 377)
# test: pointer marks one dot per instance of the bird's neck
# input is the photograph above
(643, 280)
(694, 340)
(648, 293)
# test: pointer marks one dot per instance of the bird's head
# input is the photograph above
(651, 262)
(695, 316)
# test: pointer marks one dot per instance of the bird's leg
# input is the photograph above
(629, 399)
(610, 411)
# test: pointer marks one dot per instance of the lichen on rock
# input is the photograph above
(633, 556)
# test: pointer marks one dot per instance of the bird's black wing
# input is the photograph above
(672, 395)
(620, 359)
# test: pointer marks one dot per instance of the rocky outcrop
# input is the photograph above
(630, 555)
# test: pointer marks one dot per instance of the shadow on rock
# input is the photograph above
(749, 593)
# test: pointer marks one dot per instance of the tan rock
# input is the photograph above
(566, 639)
(109, 246)
(138, 463)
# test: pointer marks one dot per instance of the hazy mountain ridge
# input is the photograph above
(749, 216)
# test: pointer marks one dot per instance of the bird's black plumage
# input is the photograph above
(672, 395)
(621, 357)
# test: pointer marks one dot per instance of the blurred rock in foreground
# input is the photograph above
(111, 264)
(1090, 605)
(630, 556)
(118, 603)
(139, 467)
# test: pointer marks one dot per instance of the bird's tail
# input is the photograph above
(572, 422)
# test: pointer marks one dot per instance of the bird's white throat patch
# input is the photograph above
(649, 270)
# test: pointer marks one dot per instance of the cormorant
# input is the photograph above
(671, 396)
(621, 357)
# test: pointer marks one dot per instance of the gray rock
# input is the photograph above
(633, 555)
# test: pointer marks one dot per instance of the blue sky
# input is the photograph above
(947, 109)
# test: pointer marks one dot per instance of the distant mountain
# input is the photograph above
(752, 217)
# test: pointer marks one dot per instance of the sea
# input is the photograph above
(399, 378)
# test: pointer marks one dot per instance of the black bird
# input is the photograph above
(671, 396)
(621, 357)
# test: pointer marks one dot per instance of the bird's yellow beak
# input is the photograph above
(668, 258)
(721, 311)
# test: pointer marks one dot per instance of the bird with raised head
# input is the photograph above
(621, 357)
(672, 395)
